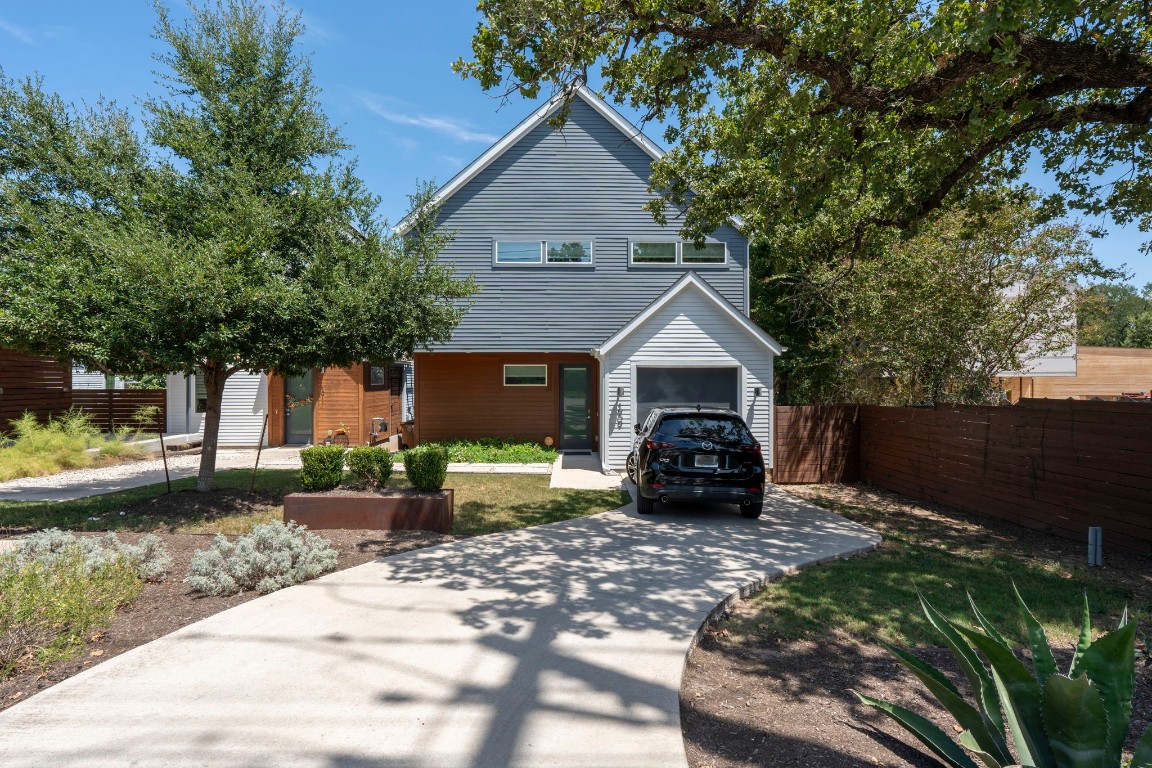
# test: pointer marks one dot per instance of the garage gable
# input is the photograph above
(691, 282)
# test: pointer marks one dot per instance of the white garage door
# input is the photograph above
(707, 387)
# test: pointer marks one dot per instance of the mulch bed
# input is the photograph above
(169, 605)
(787, 703)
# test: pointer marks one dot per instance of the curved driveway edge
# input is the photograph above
(560, 645)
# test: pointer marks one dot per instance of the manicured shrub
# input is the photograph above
(50, 604)
(148, 558)
(321, 467)
(370, 464)
(426, 467)
(271, 557)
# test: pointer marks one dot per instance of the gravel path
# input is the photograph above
(79, 483)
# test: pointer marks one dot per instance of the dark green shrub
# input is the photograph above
(426, 467)
(370, 464)
(321, 467)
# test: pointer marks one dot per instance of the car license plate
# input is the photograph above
(707, 461)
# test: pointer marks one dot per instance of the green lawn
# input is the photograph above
(484, 504)
(943, 556)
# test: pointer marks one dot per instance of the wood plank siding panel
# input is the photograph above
(817, 444)
(462, 395)
(1100, 372)
(690, 329)
(338, 395)
(588, 182)
(32, 383)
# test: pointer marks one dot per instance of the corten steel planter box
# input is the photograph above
(397, 511)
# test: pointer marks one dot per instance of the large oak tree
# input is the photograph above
(230, 235)
(826, 122)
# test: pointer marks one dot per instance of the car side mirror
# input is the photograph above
(636, 428)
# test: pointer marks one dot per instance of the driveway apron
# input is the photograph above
(560, 645)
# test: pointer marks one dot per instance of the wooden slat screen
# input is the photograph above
(111, 408)
(817, 444)
(1053, 465)
(40, 385)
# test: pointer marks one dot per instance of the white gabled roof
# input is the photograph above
(691, 281)
(541, 115)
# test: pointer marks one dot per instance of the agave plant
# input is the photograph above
(1055, 720)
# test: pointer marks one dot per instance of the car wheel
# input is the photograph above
(751, 512)
(630, 465)
(644, 505)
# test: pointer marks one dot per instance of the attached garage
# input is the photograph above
(689, 347)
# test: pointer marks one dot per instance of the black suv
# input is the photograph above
(697, 454)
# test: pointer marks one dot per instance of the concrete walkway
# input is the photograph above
(560, 645)
(573, 470)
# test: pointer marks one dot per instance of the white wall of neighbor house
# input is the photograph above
(242, 414)
(689, 331)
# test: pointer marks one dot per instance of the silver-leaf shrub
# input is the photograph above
(149, 556)
(271, 557)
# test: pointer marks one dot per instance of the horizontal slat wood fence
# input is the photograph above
(112, 408)
(1058, 466)
(817, 444)
(39, 385)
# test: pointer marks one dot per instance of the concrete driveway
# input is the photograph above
(561, 645)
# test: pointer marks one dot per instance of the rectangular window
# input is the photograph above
(578, 252)
(513, 252)
(375, 376)
(711, 253)
(653, 253)
(201, 394)
(526, 375)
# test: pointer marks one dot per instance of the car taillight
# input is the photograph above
(754, 447)
(655, 445)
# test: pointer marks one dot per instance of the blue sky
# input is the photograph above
(384, 68)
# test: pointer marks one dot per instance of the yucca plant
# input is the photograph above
(1074, 720)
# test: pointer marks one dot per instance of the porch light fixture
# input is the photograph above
(619, 391)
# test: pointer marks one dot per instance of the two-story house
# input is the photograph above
(589, 313)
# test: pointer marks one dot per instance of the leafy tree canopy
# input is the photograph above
(829, 121)
(938, 316)
(230, 236)
(1115, 315)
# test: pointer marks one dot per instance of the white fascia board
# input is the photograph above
(691, 280)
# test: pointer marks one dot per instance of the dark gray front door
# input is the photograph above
(576, 407)
(298, 409)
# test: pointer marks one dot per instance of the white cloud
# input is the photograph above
(452, 160)
(17, 32)
(457, 129)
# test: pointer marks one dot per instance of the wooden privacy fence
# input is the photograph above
(112, 408)
(38, 385)
(1054, 465)
(816, 444)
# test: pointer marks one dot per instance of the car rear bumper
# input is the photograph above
(722, 494)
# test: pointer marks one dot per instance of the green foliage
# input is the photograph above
(933, 318)
(60, 444)
(370, 464)
(426, 466)
(49, 605)
(238, 215)
(498, 450)
(1078, 720)
(273, 556)
(1114, 315)
(826, 123)
(148, 557)
(321, 467)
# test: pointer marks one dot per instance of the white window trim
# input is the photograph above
(679, 263)
(540, 365)
(543, 262)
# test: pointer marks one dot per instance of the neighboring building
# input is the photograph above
(1099, 372)
(364, 403)
(589, 313)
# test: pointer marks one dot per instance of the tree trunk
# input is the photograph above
(215, 375)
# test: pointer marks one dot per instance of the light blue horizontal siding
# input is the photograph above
(588, 182)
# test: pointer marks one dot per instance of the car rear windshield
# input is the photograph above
(722, 429)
